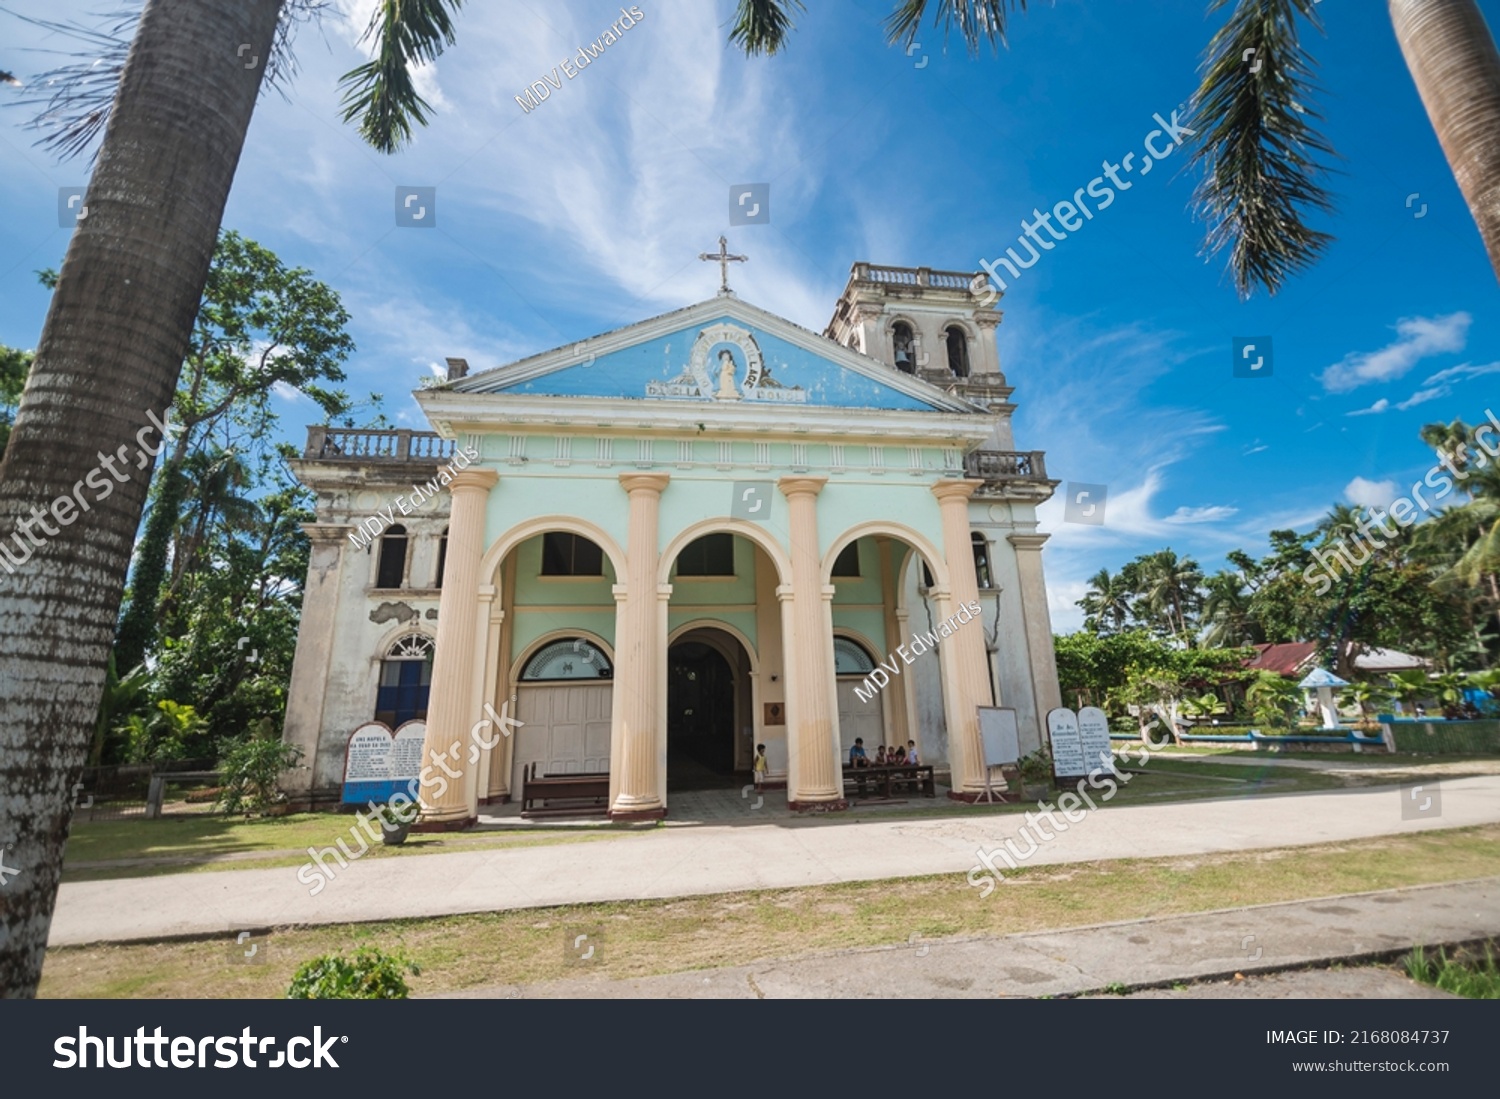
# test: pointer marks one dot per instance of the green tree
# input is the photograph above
(1107, 605)
(1169, 588)
(1226, 611)
(14, 366)
(262, 326)
(1272, 699)
(117, 333)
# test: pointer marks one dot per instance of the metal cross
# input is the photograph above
(723, 259)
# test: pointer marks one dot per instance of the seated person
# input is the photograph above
(880, 760)
(857, 756)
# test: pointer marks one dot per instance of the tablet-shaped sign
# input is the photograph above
(1000, 734)
(1067, 746)
(1093, 730)
(378, 762)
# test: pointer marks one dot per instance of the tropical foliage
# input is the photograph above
(372, 974)
(1354, 582)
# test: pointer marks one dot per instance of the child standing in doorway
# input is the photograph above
(761, 766)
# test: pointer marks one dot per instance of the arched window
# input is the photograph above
(850, 658)
(567, 554)
(904, 344)
(392, 568)
(846, 564)
(981, 560)
(442, 558)
(958, 351)
(711, 555)
(570, 658)
(405, 681)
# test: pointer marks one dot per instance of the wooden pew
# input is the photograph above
(589, 786)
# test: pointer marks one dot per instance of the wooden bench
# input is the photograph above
(586, 786)
(865, 781)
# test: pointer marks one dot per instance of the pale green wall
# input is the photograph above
(581, 488)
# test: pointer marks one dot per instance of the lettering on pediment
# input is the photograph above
(725, 364)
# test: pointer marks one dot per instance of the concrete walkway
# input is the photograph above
(1083, 960)
(766, 852)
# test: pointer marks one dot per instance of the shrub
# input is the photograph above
(252, 769)
(371, 974)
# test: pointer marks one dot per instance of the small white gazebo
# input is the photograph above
(1324, 682)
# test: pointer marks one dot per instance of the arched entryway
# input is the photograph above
(563, 701)
(709, 725)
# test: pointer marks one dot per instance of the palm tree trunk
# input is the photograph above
(1453, 61)
(110, 351)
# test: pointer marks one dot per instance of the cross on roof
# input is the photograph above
(723, 259)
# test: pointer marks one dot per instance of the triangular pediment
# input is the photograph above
(721, 352)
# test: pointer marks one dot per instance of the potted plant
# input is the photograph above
(396, 818)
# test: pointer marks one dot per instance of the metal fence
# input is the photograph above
(139, 791)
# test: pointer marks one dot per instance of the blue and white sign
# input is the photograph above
(379, 763)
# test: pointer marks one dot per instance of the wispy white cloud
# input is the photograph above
(1416, 339)
(1210, 514)
(1462, 372)
(1374, 410)
(1422, 396)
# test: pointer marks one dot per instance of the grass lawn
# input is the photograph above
(103, 850)
(99, 851)
(650, 937)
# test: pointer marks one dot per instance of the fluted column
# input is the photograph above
(637, 720)
(816, 780)
(449, 713)
(303, 728)
(966, 668)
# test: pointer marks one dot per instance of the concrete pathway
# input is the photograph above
(1082, 960)
(765, 852)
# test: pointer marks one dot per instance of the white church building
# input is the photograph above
(662, 546)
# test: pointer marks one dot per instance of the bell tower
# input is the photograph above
(938, 326)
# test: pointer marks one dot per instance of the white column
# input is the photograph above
(640, 662)
(450, 713)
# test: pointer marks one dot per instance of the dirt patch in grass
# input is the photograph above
(642, 938)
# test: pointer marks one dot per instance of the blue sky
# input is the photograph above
(588, 213)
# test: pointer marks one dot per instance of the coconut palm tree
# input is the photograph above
(1170, 588)
(1257, 139)
(1453, 62)
(110, 351)
(1226, 610)
(1107, 603)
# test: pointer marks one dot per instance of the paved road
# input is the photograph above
(776, 852)
(1084, 960)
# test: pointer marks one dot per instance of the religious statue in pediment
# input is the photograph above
(727, 391)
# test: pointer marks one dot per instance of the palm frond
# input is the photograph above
(976, 21)
(75, 98)
(1259, 146)
(381, 94)
(761, 26)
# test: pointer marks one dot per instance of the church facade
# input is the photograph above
(660, 547)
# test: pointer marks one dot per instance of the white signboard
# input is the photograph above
(378, 762)
(1067, 745)
(1001, 736)
(1093, 730)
